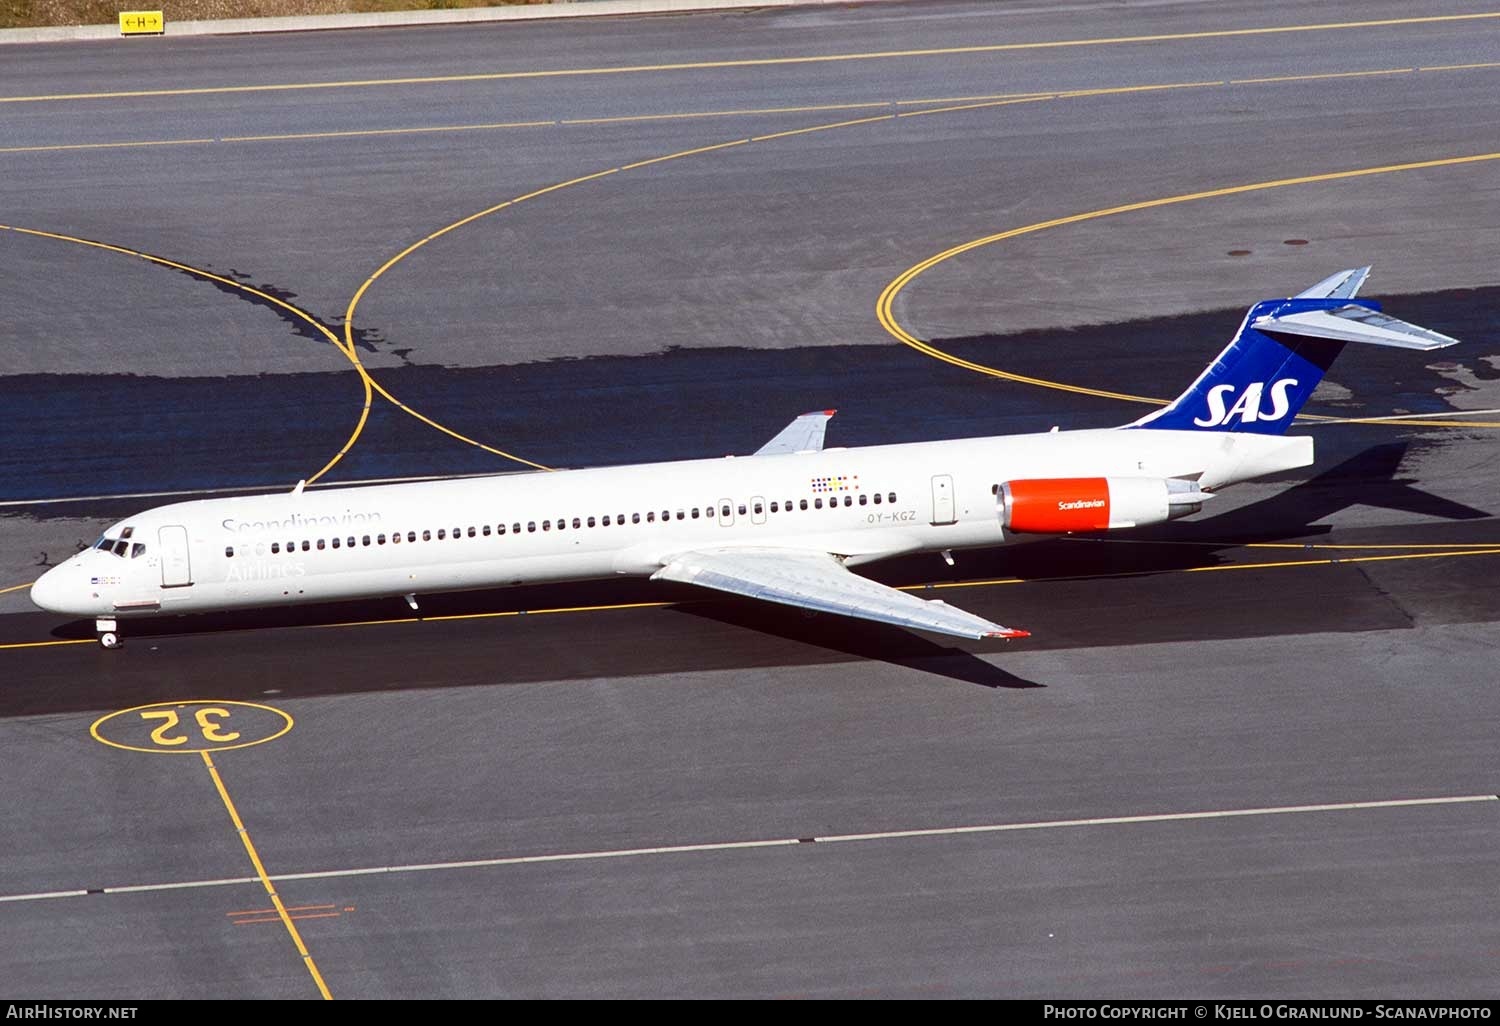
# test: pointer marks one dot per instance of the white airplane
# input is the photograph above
(785, 524)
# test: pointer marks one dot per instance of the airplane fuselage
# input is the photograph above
(860, 504)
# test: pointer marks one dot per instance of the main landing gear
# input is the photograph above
(109, 635)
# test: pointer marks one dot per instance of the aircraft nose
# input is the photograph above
(50, 592)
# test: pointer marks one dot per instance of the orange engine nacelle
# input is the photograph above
(1063, 505)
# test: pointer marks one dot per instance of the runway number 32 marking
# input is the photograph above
(202, 726)
(208, 726)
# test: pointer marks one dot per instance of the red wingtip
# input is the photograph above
(1009, 633)
(829, 413)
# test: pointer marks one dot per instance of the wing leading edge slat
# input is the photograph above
(818, 581)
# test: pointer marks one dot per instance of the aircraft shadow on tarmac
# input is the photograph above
(1367, 478)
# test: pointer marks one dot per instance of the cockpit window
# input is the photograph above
(136, 550)
(117, 546)
(127, 532)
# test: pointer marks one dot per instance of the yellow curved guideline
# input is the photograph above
(348, 350)
(359, 293)
(16, 587)
(250, 290)
(888, 320)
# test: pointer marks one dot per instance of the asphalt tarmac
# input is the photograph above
(1249, 754)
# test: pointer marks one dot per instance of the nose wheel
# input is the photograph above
(109, 636)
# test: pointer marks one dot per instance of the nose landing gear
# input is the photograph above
(109, 635)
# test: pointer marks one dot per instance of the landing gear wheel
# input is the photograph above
(109, 639)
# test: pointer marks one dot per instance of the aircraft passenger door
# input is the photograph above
(942, 499)
(726, 513)
(176, 568)
(757, 509)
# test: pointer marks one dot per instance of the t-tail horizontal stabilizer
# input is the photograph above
(1282, 350)
(1354, 323)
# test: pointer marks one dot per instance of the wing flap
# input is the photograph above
(818, 581)
(805, 434)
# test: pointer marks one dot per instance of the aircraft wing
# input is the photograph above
(818, 581)
(805, 434)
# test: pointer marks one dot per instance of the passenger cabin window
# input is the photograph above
(275, 548)
(803, 504)
(877, 498)
(229, 552)
(320, 544)
(864, 500)
(818, 503)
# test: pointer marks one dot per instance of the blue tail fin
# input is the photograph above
(1259, 382)
(1275, 361)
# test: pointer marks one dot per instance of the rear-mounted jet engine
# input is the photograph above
(1062, 505)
